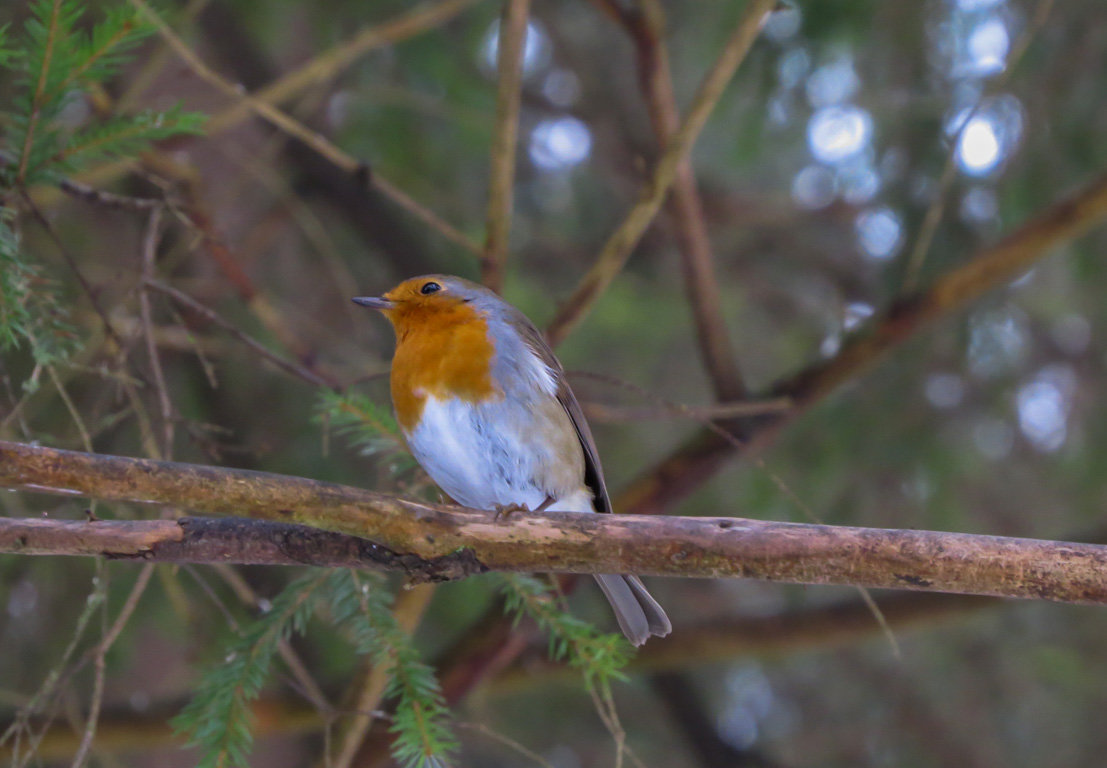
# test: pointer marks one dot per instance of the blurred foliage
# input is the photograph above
(218, 718)
(52, 66)
(991, 421)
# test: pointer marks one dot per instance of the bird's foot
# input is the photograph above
(504, 511)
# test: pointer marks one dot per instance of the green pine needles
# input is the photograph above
(367, 426)
(600, 657)
(218, 719)
(420, 723)
(29, 311)
(47, 132)
(52, 66)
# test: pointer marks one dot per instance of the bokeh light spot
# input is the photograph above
(978, 149)
(987, 47)
(1043, 406)
(560, 143)
(879, 232)
(814, 187)
(835, 134)
(536, 49)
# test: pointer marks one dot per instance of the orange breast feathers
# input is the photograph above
(442, 352)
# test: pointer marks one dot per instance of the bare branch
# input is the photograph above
(617, 249)
(149, 255)
(603, 412)
(646, 28)
(297, 370)
(471, 541)
(331, 63)
(512, 40)
(230, 540)
(108, 199)
(286, 123)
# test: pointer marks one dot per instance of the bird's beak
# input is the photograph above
(373, 302)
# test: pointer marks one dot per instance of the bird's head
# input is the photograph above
(430, 299)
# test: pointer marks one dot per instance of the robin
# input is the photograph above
(486, 411)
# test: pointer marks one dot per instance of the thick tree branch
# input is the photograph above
(228, 540)
(564, 542)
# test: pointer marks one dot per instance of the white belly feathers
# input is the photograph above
(488, 455)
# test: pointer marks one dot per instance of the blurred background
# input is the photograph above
(862, 150)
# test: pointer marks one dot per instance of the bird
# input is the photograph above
(485, 408)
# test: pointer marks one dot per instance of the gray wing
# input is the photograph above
(593, 471)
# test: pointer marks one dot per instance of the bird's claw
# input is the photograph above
(503, 511)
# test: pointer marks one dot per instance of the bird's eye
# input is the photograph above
(429, 288)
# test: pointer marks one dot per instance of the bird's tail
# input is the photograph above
(638, 614)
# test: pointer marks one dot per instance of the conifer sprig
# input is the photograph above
(29, 310)
(420, 725)
(218, 718)
(600, 657)
(53, 64)
(370, 428)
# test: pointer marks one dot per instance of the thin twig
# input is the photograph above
(50, 686)
(100, 655)
(108, 199)
(509, 62)
(720, 641)
(506, 741)
(86, 440)
(304, 682)
(71, 262)
(646, 27)
(602, 412)
(99, 673)
(129, 606)
(622, 241)
(331, 63)
(149, 251)
(130, 732)
(289, 366)
(424, 214)
(98, 597)
(774, 477)
(109, 636)
(153, 64)
(295, 128)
